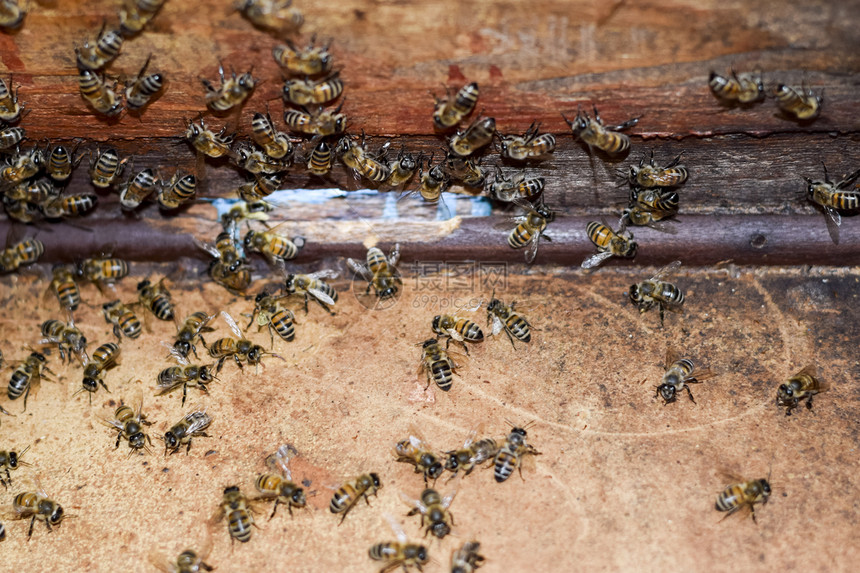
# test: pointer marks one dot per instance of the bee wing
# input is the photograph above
(360, 269)
(668, 269)
(446, 501)
(232, 324)
(324, 274)
(416, 438)
(459, 359)
(199, 423)
(498, 325)
(454, 334)
(394, 255)
(175, 354)
(523, 204)
(672, 356)
(702, 375)
(596, 260)
(111, 423)
(395, 526)
(209, 248)
(811, 370)
(160, 561)
(834, 221)
(505, 225)
(321, 296)
(472, 435)
(413, 503)
(532, 247)
(663, 227)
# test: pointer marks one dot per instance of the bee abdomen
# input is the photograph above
(519, 328)
(504, 465)
(519, 237)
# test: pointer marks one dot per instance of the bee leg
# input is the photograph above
(27, 393)
(275, 509)
(118, 436)
(690, 393)
(662, 311)
(117, 332)
(188, 447)
(752, 512)
(238, 362)
(30, 533)
(102, 382)
(809, 403)
(184, 392)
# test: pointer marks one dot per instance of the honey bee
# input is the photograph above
(260, 188)
(139, 92)
(21, 211)
(107, 168)
(680, 373)
(321, 122)
(435, 517)
(313, 287)
(67, 337)
(231, 93)
(60, 163)
(742, 496)
(307, 92)
(273, 246)
(235, 507)
(177, 192)
(742, 88)
(239, 348)
(596, 135)
(472, 454)
(134, 15)
(246, 211)
(11, 136)
(207, 142)
(24, 253)
(646, 294)
(10, 109)
(191, 425)
(104, 51)
(321, 159)
(36, 505)
(465, 170)
(272, 15)
(124, 321)
(21, 166)
(380, 272)
(466, 559)
(257, 162)
(280, 486)
(507, 189)
(34, 192)
(402, 169)
(476, 136)
(63, 286)
(348, 494)
(511, 454)
(129, 422)
(190, 332)
(102, 97)
(189, 561)
(504, 317)
(356, 157)
(228, 267)
(415, 451)
(269, 313)
(138, 188)
(27, 375)
(804, 384)
(609, 244)
(437, 365)
(104, 271)
(450, 111)
(531, 227)
(399, 553)
(530, 145)
(309, 61)
(432, 183)
(70, 206)
(10, 460)
(802, 103)
(184, 375)
(11, 16)
(104, 358)
(650, 175)
(648, 207)
(275, 143)
(156, 299)
(833, 197)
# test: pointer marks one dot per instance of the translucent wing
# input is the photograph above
(498, 325)
(175, 354)
(834, 221)
(232, 324)
(324, 274)
(200, 420)
(394, 255)
(416, 504)
(360, 269)
(395, 526)
(596, 260)
(668, 269)
(209, 248)
(321, 296)
(532, 247)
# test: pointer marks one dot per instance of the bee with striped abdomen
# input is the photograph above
(399, 553)
(189, 561)
(102, 271)
(656, 292)
(60, 163)
(105, 50)
(274, 143)
(413, 450)
(124, 320)
(134, 15)
(64, 287)
(530, 145)
(321, 158)
(742, 88)
(594, 134)
(191, 425)
(68, 338)
(140, 92)
(104, 358)
(21, 254)
(531, 227)
(649, 175)
(21, 166)
(276, 248)
(472, 454)
(449, 111)
(432, 183)
(435, 516)
(648, 207)
(10, 109)
(69, 206)
(190, 331)
(510, 455)
(804, 384)
(802, 103)
(156, 299)
(106, 168)
(437, 364)
(229, 268)
(309, 61)
(129, 422)
(380, 272)
(504, 317)
(680, 373)
(231, 93)
(308, 92)
(184, 375)
(240, 348)
(11, 136)
(348, 494)
(26, 376)
(272, 15)
(479, 134)
(402, 169)
(269, 312)
(236, 508)
(320, 122)
(11, 460)
(466, 170)
(519, 186)
(208, 142)
(138, 189)
(743, 496)
(834, 197)
(365, 165)
(312, 286)
(466, 559)
(178, 191)
(609, 243)
(280, 486)
(102, 97)
(36, 505)
(257, 162)
(457, 328)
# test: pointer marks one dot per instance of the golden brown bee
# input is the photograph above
(21, 211)
(530, 145)
(510, 455)
(11, 14)
(27, 375)
(102, 97)
(833, 197)
(33, 192)
(415, 451)
(435, 517)
(64, 287)
(594, 134)
(139, 187)
(207, 142)
(437, 365)
(129, 424)
(36, 505)
(11, 136)
(321, 122)
(104, 271)
(104, 358)
(239, 348)
(67, 337)
(801, 103)
(348, 494)
(184, 375)
(124, 321)
(321, 159)
(312, 286)
(257, 162)
(307, 92)
(472, 454)
(804, 384)
(742, 88)
(609, 243)
(69, 206)
(466, 559)
(432, 183)
(178, 191)
(507, 189)
(10, 460)
(269, 313)
(531, 227)
(402, 169)
(504, 317)
(140, 92)
(21, 254)
(275, 143)
(680, 372)
(235, 507)
(272, 15)
(104, 51)
(21, 166)
(228, 267)
(280, 486)
(191, 425)
(246, 211)
(466, 170)
(190, 332)
(476, 136)
(276, 248)
(648, 207)
(380, 272)
(449, 111)
(60, 163)
(743, 496)
(189, 561)
(356, 157)
(134, 15)
(156, 299)
(10, 109)
(230, 93)
(650, 175)
(646, 294)
(107, 168)
(399, 553)
(309, 61)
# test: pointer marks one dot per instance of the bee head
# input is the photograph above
(231, 489)
(170, 440)
(259, 298)
(298, 498)
(436, 325)
(246, 81)
(452, 463)
(13, 460)
(632, 247)
(183, 347)
(291, 284)
(667, 392)
(784, 393)
(56, 515)
(249, 238)
(339, 123)
(430, 341)
(375, 478)
(765, 487)
(255, 354)
(38, 357)
(137, 440)
(143, 284)
(90, 384)
(421, 554)
(389, 292)
(441, 529)
(344, 145)
(435, 470)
